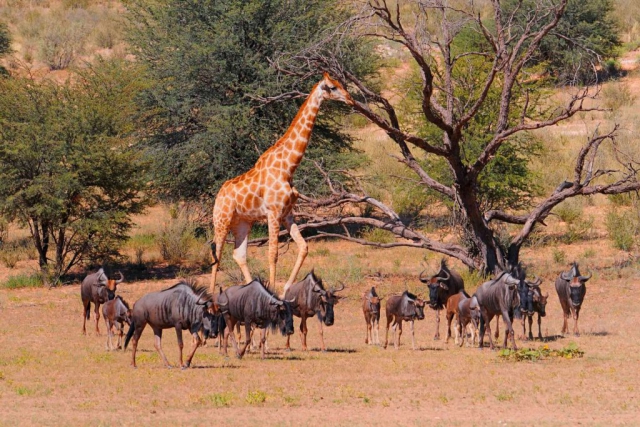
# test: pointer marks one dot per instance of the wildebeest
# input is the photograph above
(116, 312)
(308, 298)
(183, 306)
(452, 312)
(371, 309)
(498, 296)
(253, 304)
(539, 306)
(407, 307)
(96, 288)
(442, 286)
(468, 315)
(571, 288)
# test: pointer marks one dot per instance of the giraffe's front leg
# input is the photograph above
(221, 223)
(303, 249)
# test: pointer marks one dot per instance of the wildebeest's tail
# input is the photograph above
(482, 326)
(87, 311)
(132, 328)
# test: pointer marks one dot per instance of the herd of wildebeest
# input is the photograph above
(188, 306)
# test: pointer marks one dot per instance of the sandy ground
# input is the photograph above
(50, 374)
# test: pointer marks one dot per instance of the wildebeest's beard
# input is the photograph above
(435, 302)
(285, 318)
(419, 305)
(325, 314)
(576, 294)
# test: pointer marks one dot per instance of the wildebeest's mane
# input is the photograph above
(443, 266)
(126, 304)
(410, 295)
(201, 290)
(373, 291)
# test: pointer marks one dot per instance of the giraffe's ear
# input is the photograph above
(325, 76)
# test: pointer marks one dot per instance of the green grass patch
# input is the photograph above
(219, 400)
(256, 397)
(544, 352)
(22, 281)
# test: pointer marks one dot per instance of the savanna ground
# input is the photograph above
(50, 374)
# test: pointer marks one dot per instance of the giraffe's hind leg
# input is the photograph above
(294, 232)
(221, 223)
(240, 230)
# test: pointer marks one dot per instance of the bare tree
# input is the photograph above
(510, 46)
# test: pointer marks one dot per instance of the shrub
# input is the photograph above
(23, 281)
(569, 210)
(9, 257)
(256, 397)
(4, 230)
(624, 199)
(559, 257)
(176, 239)
(622, 229)
(377, 235)
(63, 38)
(617, 95)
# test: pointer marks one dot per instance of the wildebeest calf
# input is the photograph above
(96, 288)
(371, 310)
(452, 312)
(403, 307)
(116, 313)
(182, 306)
(468, 316)
(539, 306)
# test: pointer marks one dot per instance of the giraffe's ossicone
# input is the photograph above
(266, 192)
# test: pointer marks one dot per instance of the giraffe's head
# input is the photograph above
(332, 89)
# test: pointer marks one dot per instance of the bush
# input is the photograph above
(23, 281)
(559, 257)
(63, 38)
(176, 239)
(377, 235)
(569, 211)
(623, 229)
(4, 230)
(617, 95)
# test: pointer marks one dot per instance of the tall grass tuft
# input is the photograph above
(623, 229)
(23, 281)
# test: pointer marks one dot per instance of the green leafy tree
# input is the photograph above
(68, 167)
(218, 101)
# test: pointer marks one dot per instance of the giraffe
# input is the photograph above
(266, 191)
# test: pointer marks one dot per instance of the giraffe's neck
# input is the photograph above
(291, 147)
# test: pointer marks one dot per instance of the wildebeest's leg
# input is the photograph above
(247, 340)
(303, 331)
(386, 340)
(303, 249)
(369, 320)
(463, 328)
(449, 319)
(97, 312)
(530, 317)
(196, 344)
(106, 324)
(86, 309)
(229, 332)
(509, 330)
(157, 332)
(263, 342)
(180, 342)
(399, 327)
(437, 335)
(322, 336)
(539, 327)
(413, 337)
(497, 335)
(576, 314)
(376, 329)
(139, 327)
(486, 319)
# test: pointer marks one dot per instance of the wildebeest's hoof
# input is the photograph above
(288, 350)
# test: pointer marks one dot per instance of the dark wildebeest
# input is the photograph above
(571, 288)
(498, 296)
(253, 304)
(403, 307)
(116, 313)
(539, 306)
(468, 314)
(182, 306)
(308, 298)
(96, 288)
(442, 286)
(371, 310)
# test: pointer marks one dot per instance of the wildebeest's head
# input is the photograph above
(111, 284)
(577, 284)
(419, 308)
(540, 301)
(328, 299)
(285, 316)
(211, 324)
(438, 286)
(373, 301)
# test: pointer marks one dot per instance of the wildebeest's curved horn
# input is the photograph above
(291, 300)
(421, 279)
(223, 304)
(444, 278)
(585, 278)
(565, 276)
(121, 279)
(341, 289)
(537, 282)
